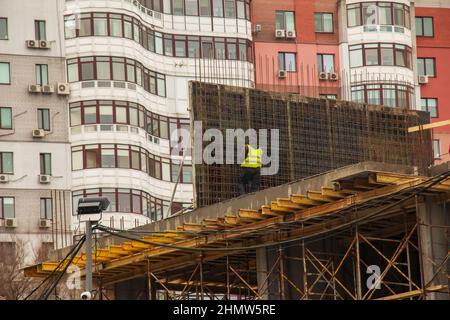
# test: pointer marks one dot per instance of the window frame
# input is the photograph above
(9, 73)
(425, 66)
(48, 208)
(45, 161)
(39, 69)
(439, 154)
(11, 117)
(2, 169)
(284, 13)
(38, 32)
(41, 119)
(2, 207)
(284, 61)
(422, 18)
(322, 14)
(426, 100)
(321, 56)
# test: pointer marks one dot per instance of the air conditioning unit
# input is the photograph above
(38, 133)
(10, 223)
(282, 74)
(44, 178)
(63, 89)
(257, 28)
(45, 223)
(323, 75)
(423, 79)
(291, 34)
(4, 178)
(43, 44)
(32, 44)
(34, 88)
(48, 89)
(334, 76)
(280, 33)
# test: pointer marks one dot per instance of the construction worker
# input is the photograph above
(251, 169)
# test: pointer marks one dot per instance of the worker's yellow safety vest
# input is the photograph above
(253, 159)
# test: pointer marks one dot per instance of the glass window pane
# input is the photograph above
(353, 15)
(124, 202)
(328, 61)
(230, 10)
(87, 71)
(3, 29)
(123, 158)
(161, 88)
(356, 59)
(400, 58)
(128, 32)
(77, 160)
(8, 208)
(100, 27)
(91, 157)
(133, 117)
(168, 49)
(371, 57)
(192, 7)
(421, 66)
(289, 20)
(279, 20)
(428, 27)
(180, 48)
(158, 43)
(121, 115)
(130, 73)
(194, 49)
(205, 10)
(178, 7)
(419, 26)
(115, 26)
(106, 114)
(240, 8)
(85, 28)
(7, 162)
(103, 71)
(119, 71)
(90, 115)
(5, 118)
(217, 8)
(72, 72)
(4, 73)
(108, 158)
(429, 65)
(387, 56)
(385, 14)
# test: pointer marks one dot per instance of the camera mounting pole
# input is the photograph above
(90, 211)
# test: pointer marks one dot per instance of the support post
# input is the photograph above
(89, 256)
(261, 273)
(358, 268)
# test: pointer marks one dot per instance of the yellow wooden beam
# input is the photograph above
(429, 126)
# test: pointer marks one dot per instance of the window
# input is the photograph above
(426, 67)
(77, 158)
(118, 68)
(84, 25)
(4, 73)
(106, 114)
(108, 156)
(430, 105)
(287, 61)
(217, 8)
(92, 157)
(7, 207)
(328, 96)
(205, 8)
(115, 25)
(424, 27)
(437, 149)
(3, 28)
(191, 7)
(46, 163)
(178, 7)
(378, 13)
(103, 68)
(41, 74)
(5, 118)
(6, 163)
(123, 157)
(285, 20)
(393, 95)
(40, 30)
(44, 119)
(385, 54)
(100, 24)
(46, 208)
(325, 62)
(230, 10)
(353, 15)
(323, 22)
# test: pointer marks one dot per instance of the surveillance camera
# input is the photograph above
(86, 295)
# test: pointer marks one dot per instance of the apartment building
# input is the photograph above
(379, 52)
(128, 65)
(34, 140)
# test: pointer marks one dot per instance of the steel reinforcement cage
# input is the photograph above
(316, 135)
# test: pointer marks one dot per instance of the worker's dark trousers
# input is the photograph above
(252, 176)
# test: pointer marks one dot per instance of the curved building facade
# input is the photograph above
(128, 67)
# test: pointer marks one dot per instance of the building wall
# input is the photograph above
(24, 184)
(178, 71)
(437, 47)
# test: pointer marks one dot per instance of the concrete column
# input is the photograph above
(261, 267)
(433, 215)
